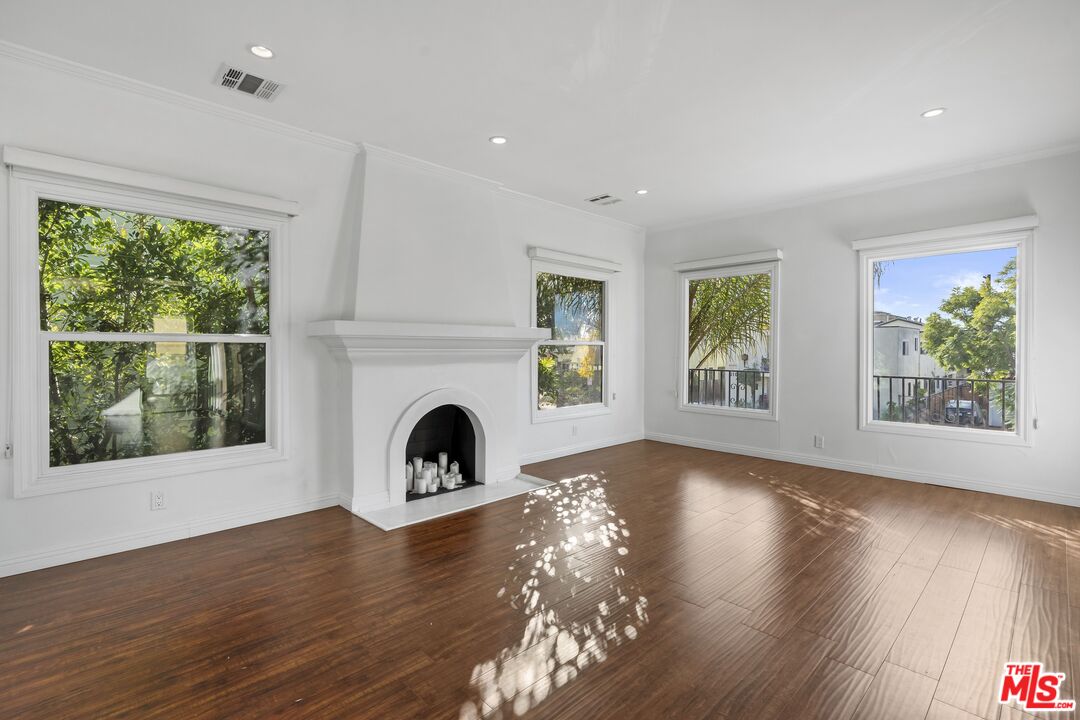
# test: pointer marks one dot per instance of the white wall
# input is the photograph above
(818, 331)
(332, 273)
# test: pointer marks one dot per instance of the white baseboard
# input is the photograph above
(954, 481)
(565, 450)
(179, 531)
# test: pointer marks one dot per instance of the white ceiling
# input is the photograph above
(715, 106)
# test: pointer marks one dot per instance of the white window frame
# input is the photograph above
(1012, 233)
(571, 265)
(758, 263)
(33, 176)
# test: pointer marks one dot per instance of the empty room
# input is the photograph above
(484, 360)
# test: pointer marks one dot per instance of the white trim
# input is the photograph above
(1015, 232)
(730, 261)
(45, 165)
(738, 269)
(1020, 224)
(564, 450)
(121, 82)
(885, 471)
(608, 278)
(580, 262)
(32, 473)
(177, 531)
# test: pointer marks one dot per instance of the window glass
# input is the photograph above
(959, 310)
(115, 271)
(729, 333)
(570, 366)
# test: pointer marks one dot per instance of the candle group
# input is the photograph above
(423, 477)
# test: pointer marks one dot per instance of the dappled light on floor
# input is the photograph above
(576, 598)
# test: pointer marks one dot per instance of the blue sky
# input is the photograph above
(915, 287)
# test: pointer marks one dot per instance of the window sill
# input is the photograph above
(570, 413)
(767, 415)
(988, 437)
(119, 472)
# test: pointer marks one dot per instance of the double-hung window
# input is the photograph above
(729, 347)
(148, 325)
(572, 371)
(963, 295)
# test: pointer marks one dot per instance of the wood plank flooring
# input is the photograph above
(653, 581)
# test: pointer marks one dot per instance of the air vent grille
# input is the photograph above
(241, 81)
(604, 200)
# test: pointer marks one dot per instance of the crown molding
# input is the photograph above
(424, 166)
(122, 82)
(889, 183)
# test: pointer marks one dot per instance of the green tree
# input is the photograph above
(728, 314)
(975, 330)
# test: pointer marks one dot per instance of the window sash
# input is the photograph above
(30, 398)
(772, 269)
(153, 337)
(606, 277)
(940, 243)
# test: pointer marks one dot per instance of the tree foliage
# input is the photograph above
(975, 330)
(729, 314)
(114, 271)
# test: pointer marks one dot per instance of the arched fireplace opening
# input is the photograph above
(445, 430)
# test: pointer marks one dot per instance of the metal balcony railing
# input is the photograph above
(729, 388)
(957, 402)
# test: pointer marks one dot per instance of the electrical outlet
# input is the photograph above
(819, 442)
(9, 451)
(157, 499)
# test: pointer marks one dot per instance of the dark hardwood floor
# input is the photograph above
(653, 581)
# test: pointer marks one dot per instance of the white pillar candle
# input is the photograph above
(408, 477)
(442, 472)
(418, 465)
(443, 458)
(455, 468)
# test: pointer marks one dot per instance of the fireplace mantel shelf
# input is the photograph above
(365, 335)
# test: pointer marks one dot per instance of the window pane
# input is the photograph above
(959, 311)
(572, 307)
(729, 333)
(116, 271)
(112, 400)
(570, 375)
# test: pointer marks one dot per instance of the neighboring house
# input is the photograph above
(898, 348)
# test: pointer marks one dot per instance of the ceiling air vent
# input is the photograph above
(604, 200)
(236, 79)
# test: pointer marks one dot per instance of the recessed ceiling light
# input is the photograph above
(261, 51)
(643, 191)
(934, 112)
(497, 139)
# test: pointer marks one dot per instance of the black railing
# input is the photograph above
(958, 402)
(729, 388)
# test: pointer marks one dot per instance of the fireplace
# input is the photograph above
(418, 389)
(446, 438)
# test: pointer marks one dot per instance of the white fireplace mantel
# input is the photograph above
(396, 372)
(350, 336)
